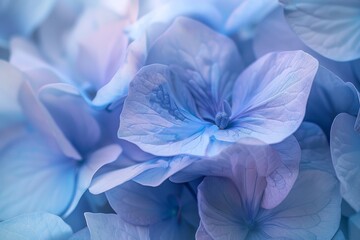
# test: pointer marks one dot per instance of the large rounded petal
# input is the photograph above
(331, 28)
(345, 151)
(158, 115)
(270, 96)
(34, 177)
(40, 226)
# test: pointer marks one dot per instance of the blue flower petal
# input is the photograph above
(158, 115)
(344, 143)
(110, 226)
(34, 177)
(331, 28)
(21, 18)
(39, 226)
(270, 96)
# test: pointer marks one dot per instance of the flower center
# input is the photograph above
(222, 120)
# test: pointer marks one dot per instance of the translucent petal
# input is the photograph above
(331, 28)
(270, 96)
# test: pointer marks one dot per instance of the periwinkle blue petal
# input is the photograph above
(26, 161)
(21, 18)
(83, 234)
(263, 106)
(41, 226)
(315, 149)
(331, 28)
(155, 114)
(330, 96)
(169, 210)
(345, 142)
(152, 172)
(110, 226)
(310, 211)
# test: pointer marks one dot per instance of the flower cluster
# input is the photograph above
(179, 119)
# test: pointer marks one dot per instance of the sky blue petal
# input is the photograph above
(331, 28)
(315, 149)
(83, 234)
(20, 18)
(110, 226)
(91, 165)
(345, 152)
(208, 62)
(40, 226)
(311, 210)
(330, 96)
(270, 96)
(34, 177)
(158, 118)
(10, 109)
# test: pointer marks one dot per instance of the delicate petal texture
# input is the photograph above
(156, 114)
(92, 164)
(330, 96)
(253, 166)
(34, 177)
(111, 226)
(10, 82)
(345, 152)
(310, 211)
(270, 96)
(39, 226)
(315, 150)
(331, 28)
(21, 17)
(208, 62)
(316, 194)
(150, 173)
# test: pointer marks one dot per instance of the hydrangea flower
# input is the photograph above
(49, 144)
(196, 95)
(311, 209)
